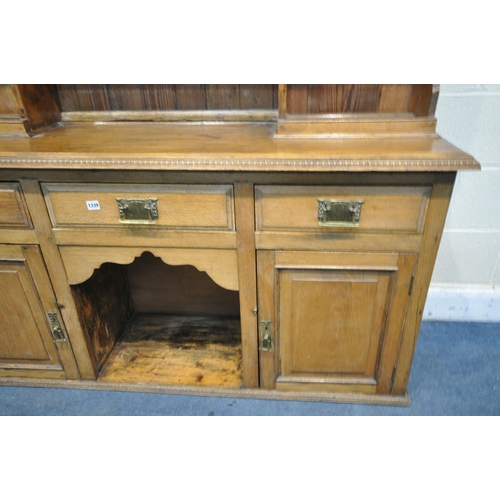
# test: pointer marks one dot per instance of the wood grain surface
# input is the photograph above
(295, 208)
(78, 97)
(223, 147)
(337, 319)
(13, 210)
(237, 241)
(27, 348)
(179, 206)
(177, 350)
(156, 287)
(105, 308)
(221, 265)
(358, 98)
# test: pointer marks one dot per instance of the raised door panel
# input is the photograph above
(337, 319)
(27, 348)
(333, 322)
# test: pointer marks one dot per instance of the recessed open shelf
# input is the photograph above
(151, 323)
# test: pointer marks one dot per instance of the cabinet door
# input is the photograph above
(335, 319)
(27, 346)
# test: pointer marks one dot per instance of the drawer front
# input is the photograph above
(13, 211)
(190, 207)
(327, 209)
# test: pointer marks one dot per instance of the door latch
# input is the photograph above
(266, 344)
(55, 328)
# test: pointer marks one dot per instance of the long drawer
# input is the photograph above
(359, 209)
(340, 218)
(190, 207)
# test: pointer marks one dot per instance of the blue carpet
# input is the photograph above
(456, 371)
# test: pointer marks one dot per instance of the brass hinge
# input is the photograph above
(265, 327)
(55, 328)
(410, 289)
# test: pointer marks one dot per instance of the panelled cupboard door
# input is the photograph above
(335, 319)
(27, 346)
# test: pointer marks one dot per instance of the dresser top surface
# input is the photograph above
(215, 146)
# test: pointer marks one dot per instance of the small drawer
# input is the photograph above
(356, 209)
(190, 207)
(13, 210)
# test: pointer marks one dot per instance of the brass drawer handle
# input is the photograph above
(338, 213)
(138, 210)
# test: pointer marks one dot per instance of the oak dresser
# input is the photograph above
(265, 241)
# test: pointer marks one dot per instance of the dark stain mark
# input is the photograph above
(194, 332)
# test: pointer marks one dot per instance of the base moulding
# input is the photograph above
(374, 399)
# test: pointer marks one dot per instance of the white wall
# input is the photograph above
(466, 281)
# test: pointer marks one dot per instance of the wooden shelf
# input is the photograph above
(232, 147)
(177, 350)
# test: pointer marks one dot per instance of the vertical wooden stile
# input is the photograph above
(79, 339)
(267, 306)
(282, 101)
(245, 241)
(433, 230)
(420, 99)
(406, 266)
